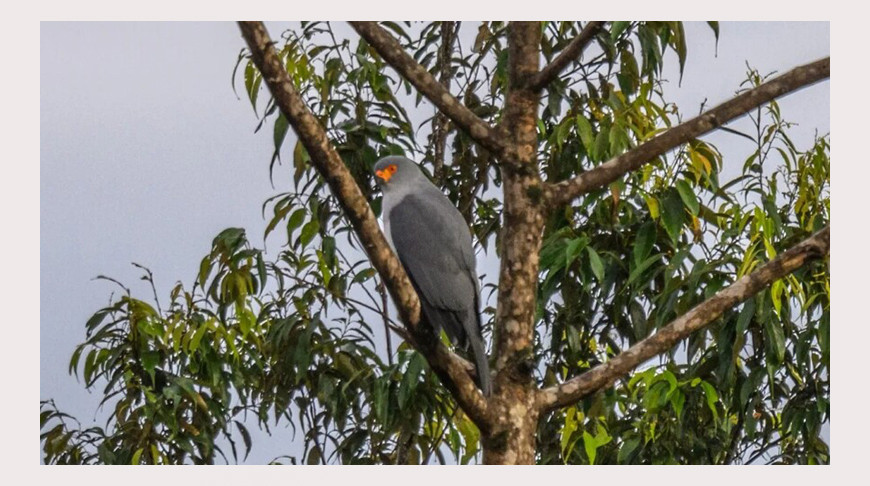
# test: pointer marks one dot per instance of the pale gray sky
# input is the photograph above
(146, 154)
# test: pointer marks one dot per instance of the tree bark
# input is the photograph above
(514, 416)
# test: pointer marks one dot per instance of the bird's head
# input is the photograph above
(396, 171)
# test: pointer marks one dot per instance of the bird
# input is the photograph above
(433, 243)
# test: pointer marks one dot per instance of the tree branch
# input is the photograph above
(603, 375)
(449, 367)
(800, 77)
(570, 53)
(440, 121)
(392, 52)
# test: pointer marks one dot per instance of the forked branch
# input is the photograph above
(603, 375)
(393, 53)
(570, 53)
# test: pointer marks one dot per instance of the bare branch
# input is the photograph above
(449, 367)
(570, 53)
(389, 49)
(603, 375)
(449, 32)
(800, 77)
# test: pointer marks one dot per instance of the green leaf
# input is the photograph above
(136, 456)
(652, 203)
(197, 337)
(602, 144)
(824, 334)
(246, 437)
(776, 295)
(678, 399)
(279, 215)
(471, 434)
(626, 452)
(643, 243)
(229, 240)
(673, 216)
(309, 231)
(671, 379)
(638, 270)
(573, 248)
(278, 135)
(584, 128)
(247, 320)
(204, 270)
(571, 423)
(295, 221)
(715, 26)
(712, 398)
(150, 360)
(592, 443)
(688, 196)
(314, 456)
(745, 316)
(261, 270)
(300, 161)
(678, 42)
(363, 275)
(380, 397)
(775, 338)
(97, 318)
(410, 379)
(74, 361)
(617, 28)
(252, 83)
(596, 263)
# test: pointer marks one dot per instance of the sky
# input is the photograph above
(146, 154)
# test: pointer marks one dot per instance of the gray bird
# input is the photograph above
(433, 243)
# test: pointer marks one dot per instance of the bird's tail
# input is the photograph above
(484, 380)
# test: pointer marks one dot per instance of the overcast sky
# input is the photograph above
(146, 154)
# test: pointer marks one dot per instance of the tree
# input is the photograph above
(620, 235)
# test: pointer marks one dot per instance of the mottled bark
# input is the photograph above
(800, 77)
(570, 53)
(603, 375)
(392, 52)
(450, 368)
(514, 416)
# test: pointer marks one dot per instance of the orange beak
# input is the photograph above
(386, 173)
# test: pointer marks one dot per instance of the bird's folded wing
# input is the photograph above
(430, 238)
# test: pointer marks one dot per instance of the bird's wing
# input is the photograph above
(430, 238)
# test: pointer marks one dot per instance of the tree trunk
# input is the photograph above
(514, 417)
(511, 438)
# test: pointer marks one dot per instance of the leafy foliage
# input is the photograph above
(303, 338)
